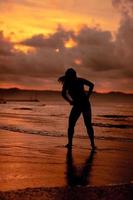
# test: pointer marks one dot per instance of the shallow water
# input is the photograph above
(110, 121)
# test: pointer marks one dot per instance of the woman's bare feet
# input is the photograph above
(68, 145)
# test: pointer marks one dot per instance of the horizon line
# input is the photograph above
(48, 90)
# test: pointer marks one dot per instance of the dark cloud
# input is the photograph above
(95, 46)
(100, 57)
(124, 39)
(124, 6)
(6, 46)
(55, 40)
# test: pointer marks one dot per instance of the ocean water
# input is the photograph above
(29, 164)
(111, 120)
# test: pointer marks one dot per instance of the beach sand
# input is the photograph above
(49, 171)
(117, 192)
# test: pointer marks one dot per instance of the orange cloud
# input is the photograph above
(29, 17)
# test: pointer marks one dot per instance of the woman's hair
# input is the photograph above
(69, 75)
(61, 79)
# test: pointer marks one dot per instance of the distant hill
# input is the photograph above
(16, 94)
(12, 90)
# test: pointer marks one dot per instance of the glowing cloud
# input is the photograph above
(70, 43)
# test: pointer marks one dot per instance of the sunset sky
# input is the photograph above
(40, 39)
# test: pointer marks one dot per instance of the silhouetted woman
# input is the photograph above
(73, 92)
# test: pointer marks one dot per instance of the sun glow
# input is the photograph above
(70, 43)
(57, 50)
(24, 48)
(78, 61)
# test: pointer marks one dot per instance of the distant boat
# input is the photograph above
(34, 97)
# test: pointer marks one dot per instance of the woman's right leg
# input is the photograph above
(73, 117)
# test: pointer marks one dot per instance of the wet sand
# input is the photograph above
(117, 192)
(42, 164)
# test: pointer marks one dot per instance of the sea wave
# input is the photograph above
(116, 116)
(107, 125)
(58, 134)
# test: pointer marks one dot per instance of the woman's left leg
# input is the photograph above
(86, 111)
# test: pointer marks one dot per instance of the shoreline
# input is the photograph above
(34, 161)
(107, 192)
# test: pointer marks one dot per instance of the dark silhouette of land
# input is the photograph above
(16, 94)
